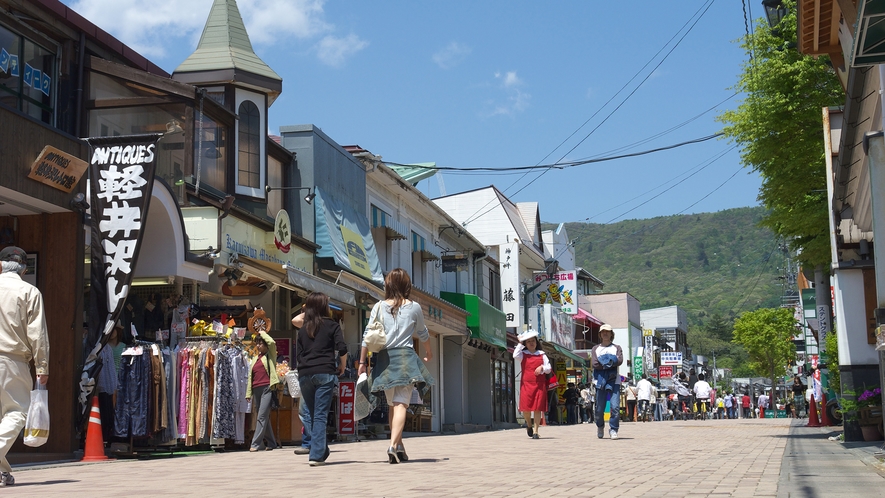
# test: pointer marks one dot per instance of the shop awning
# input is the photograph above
(586, 315)
(343, 278)
(393, 229)
(264, 271)
(315, 284)
(485, 322)
(579, 362)
(428, 252)
(344, 236)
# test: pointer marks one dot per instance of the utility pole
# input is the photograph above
(714, 370)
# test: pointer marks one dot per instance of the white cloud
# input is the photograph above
(156, 27)
(333, 50)
(516, 99)
(451, 55)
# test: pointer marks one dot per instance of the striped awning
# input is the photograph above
(393, 229)
(428, 252)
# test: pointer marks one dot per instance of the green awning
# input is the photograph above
(579, 362)
(485, 322)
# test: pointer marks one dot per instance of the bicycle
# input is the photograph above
(645, 414)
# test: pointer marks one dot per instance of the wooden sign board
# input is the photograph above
(58, 169)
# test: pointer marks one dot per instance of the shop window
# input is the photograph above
(251, 136)
(248, 171)
(27, 76)
(210, 152)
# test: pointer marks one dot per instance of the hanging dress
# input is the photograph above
(532, 388)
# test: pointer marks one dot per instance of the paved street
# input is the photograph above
(661, 459)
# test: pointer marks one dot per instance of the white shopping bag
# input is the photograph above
(37, 423)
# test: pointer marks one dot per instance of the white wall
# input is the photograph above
(851, 326)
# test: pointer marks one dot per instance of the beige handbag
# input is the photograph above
(375, 336)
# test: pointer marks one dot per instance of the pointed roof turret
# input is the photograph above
(225, 55)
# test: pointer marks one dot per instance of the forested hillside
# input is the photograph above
(710, 263)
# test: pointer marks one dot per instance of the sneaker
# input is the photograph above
(302, 451)
(316, 463)
(600, 432)
(536, 436)
(6, 479)
(528, 430)
(613, 433)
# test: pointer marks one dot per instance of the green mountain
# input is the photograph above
(710, 263)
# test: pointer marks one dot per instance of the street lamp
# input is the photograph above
(548, 264)
(307, 198)
(774, 11)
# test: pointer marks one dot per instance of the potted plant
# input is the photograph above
(866, 410)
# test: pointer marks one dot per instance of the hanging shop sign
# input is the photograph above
(57, 169)
(562, 289)
(665, 371)
(121, 179)
(511, 294)
(346, 396)
(282, 232)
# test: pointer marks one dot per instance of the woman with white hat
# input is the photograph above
(533, 386)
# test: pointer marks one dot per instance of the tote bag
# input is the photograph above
(37, 423)
(375, 336)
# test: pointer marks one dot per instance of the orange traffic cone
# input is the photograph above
(94, 450)
(812, 414)
(824, 418)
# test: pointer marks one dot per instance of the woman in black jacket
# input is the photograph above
(317, 343)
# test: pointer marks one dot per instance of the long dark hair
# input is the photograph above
(397, 286)
(315, 309)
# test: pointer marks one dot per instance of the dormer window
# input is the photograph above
(251, 135)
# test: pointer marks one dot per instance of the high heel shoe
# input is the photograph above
(391, 455)
(401, 453)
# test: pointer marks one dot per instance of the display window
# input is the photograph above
(27, 76)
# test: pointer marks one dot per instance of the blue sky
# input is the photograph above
(499, 84)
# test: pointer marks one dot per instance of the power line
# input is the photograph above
(477, 214)
(565, 165)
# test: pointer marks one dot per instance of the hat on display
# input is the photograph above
(528, 334)
(13, 253)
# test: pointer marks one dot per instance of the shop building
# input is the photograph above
(411, 232)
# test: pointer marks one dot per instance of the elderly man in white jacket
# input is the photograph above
(23, 337)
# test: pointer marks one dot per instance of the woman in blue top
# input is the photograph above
(397, 367)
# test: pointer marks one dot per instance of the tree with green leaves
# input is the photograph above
(778, 127)
(767, 335)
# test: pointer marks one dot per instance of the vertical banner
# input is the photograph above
(511, 297)
(121, 176)
(346, 397)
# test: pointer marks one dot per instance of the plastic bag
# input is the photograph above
(292, 383)
(37, 423)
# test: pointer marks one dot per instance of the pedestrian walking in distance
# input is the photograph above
(23, 337)
(533, 386)
(606, 357)
(397, 369)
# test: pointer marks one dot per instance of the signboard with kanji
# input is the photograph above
(346, 395)
(671, 358)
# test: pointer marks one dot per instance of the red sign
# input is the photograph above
(346, 394)
(665, 371)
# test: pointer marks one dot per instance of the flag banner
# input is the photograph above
(121, 176)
